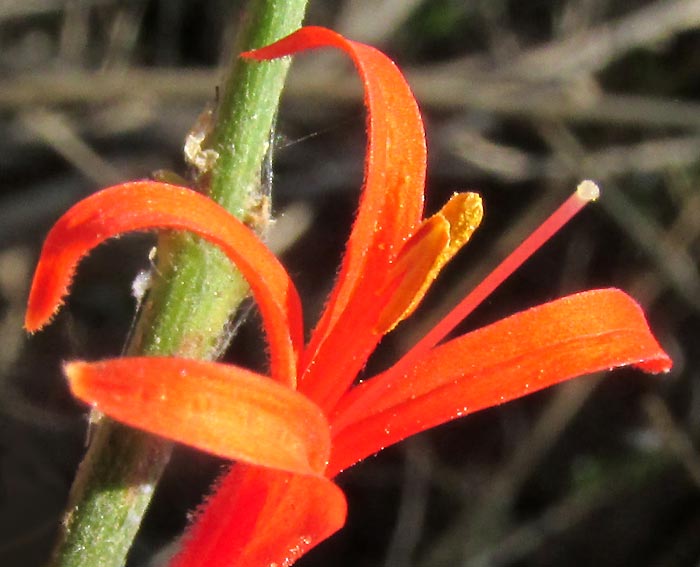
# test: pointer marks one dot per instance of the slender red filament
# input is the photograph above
(586, 192)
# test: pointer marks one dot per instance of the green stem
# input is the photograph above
(193, 295)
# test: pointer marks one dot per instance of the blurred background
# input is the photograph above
(522, 100)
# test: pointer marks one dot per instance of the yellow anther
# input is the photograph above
(435, 242)
(463, 212)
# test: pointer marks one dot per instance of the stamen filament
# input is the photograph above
(586, 192)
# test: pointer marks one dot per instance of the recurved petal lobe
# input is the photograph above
(391, 202)
(214, 407)
(576, 335)
(148, 205)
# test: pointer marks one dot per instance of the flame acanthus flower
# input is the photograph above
(293, 431)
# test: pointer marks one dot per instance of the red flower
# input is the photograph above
(296, 429)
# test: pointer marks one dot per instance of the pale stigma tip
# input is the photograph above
(587, 190)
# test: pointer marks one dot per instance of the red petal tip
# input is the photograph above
(40, 313)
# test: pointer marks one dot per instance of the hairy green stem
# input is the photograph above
(193, 295)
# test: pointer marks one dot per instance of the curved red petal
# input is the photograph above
(359, 330)
(148, 205)
(529, 351)
(262, 517)
(218, 408)
(392, 200)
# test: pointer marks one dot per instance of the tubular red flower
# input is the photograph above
(280, 502)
